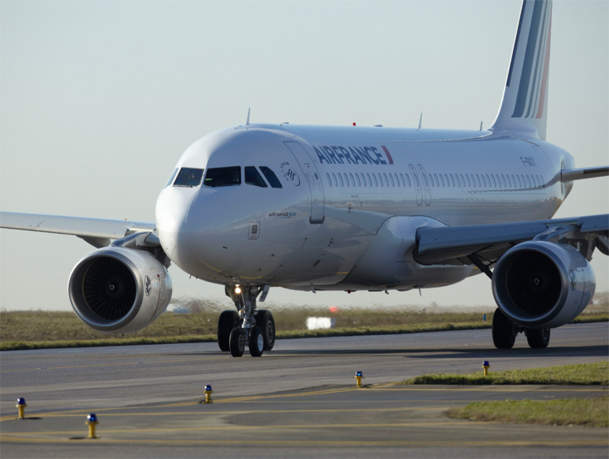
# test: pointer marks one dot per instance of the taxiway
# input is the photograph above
(298, 400)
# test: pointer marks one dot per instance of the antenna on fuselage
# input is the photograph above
(481, 125)
(420, 121)
(247, 122)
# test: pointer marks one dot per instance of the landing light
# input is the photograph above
(237, 290)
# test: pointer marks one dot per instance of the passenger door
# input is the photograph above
(313, 179)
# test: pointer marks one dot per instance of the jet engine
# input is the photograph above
(119, 290)
(540, 284)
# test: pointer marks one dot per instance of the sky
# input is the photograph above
(98, 100)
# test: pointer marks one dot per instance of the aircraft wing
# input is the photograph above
(96, 231)
(569, 175)
(486, 243)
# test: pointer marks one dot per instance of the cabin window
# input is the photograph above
(334, 179)
(446, 180)
(271, 177)
(328, 179)
(391, 180)
(189, 177)
(253, 177)
(376, 183)
(407, 177)
(452, 180)
(351, 179)
(340, 179)
(528, 178)
(223, 176)
(359, 183)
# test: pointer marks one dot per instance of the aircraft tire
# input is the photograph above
(237, 342)
(504, 332)
(256, 343)
(227, 321)
(266, 323)
(538, 338)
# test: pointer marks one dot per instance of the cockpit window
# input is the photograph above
(173, 175)
(223, 176)
(253, 177)
(271, 177)
(189, 176)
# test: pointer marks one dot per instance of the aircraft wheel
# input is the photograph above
(538, 338)
(504, 331)
(227, 321)
(256, 342)
(266, 323)
(237, 342)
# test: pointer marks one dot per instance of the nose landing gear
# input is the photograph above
(246, 327)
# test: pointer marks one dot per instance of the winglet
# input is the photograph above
(525, 97)
(247, 122)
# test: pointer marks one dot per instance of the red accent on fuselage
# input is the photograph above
(388, 154)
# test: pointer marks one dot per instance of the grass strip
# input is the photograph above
(580, 374)
(591, 412)
(50, 329)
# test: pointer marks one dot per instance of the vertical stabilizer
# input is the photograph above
(525, 97)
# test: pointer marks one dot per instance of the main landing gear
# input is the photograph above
(505, 332)
(246, 327)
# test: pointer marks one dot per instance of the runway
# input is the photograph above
(298, 400)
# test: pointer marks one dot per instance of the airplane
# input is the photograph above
(347, 208)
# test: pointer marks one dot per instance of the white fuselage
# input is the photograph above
(350, 201)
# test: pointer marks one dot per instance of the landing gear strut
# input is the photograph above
(246, 327)
(505, 332)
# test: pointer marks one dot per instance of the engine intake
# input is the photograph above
(119, 290)
(540, 284)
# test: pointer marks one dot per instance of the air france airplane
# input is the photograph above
(357, 208)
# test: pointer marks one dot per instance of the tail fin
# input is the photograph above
(525, 97)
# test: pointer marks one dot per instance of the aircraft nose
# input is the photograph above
(192, 233)
(172, 207)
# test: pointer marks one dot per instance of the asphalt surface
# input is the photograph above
(297, 401)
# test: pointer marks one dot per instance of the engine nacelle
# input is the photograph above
(540, 284)
(119, 290)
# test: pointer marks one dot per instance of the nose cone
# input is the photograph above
(171, 212)
(195, 232)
